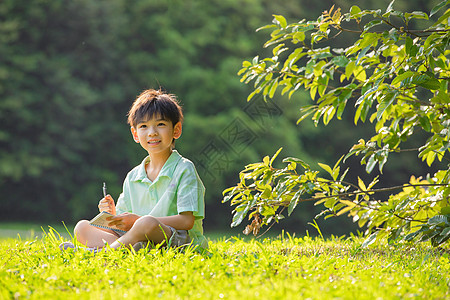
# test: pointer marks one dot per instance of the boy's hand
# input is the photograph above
(107, 204)
(123, 221)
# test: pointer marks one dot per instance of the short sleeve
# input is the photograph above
(190, 192)
(121, 205)
(124, 198)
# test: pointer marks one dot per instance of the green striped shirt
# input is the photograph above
(177, 189)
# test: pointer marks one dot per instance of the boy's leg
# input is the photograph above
(146, 228)
(179, 238)
(92, 236)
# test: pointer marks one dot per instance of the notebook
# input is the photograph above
(101, 222)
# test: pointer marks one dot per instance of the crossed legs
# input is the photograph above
(146, 228)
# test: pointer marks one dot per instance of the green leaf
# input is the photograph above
(402, 76)
(426, 81)
(416, 15)
(370, 240)
(442, 238)
(383, 160)
(318, 68)
(359, 73)
(277, 50)
(438, 7)
(445, 232)
(386, 101)
(299, 36)
(313, 91)
(340, 61)
(425, 123)
(270, 26)
(326, 168)
(445, 210)
(362, 53)
(390, 6)
(293, 203)
(431, 84)
(293, 57)
(368, 39)
(341, 108)
(297, 160)
(267, 192)
(408, 44)
(412, 235)
(343, 97)
(291, 207)
(444, 17)
(267, 211)
(275, 156)
(438, 220)
(279, 19)
(349, 69)
(273, 88)
(246, 64)
(371, 163)
(328, 114)
(430, 157)
(238, 217)
(323, 84)
(372, 24)
(365, 109)
(361, 184)
(354, 10)
(349, 207)
(428, 235)
(330, 202)
(306, 111)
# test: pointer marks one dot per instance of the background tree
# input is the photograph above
(396, 75)
(69, 71)
(61, 73)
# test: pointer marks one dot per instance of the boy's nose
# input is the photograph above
(152, 131)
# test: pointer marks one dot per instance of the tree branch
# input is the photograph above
(367, 192)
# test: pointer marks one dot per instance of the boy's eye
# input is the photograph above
(161, 124)
(142, 126)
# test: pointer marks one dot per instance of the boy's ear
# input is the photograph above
(134, 133)
(177, 129)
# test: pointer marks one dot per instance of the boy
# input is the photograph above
(163, 197)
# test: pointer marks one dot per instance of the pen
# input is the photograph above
(104, 189)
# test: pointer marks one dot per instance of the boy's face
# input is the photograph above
(156, 134)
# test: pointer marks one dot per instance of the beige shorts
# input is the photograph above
(179, 238)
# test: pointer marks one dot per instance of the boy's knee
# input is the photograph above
(81, 227)
(146, 225)
(146, 222)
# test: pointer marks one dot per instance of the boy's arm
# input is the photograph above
(182, 221)
(107, 204)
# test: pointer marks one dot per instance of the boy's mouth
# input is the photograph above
(153, 142)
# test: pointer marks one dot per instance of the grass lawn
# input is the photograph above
(31, 230)
(274, 268)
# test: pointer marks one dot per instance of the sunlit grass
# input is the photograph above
(277, 268)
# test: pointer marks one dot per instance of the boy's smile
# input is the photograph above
(154, 142)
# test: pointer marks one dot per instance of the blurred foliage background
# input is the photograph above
(70, 69)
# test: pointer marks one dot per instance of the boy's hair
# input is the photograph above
(152, 103)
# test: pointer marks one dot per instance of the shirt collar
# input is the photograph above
(167, 170)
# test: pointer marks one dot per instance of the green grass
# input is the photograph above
(277, 268)
(31, 230)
